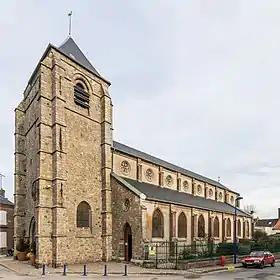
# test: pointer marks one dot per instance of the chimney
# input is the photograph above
(2, 192)
(278, 213)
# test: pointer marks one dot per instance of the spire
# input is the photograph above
(71, 49)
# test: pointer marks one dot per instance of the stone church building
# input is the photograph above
(84, 197)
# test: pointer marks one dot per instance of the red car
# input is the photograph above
(258, 259)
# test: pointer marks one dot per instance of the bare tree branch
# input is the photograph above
(250, 208)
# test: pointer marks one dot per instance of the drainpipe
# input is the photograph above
(113, 151)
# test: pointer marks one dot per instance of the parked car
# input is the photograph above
(258, 259)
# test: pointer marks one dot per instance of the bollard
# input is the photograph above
(105, 270)
(85, 270)
(44, 269)
(64, 270)
(125, 270)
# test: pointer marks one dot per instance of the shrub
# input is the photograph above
(243, 249)
(225, 249)
(186, 254)
(22, 246)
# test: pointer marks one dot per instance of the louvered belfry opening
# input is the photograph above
(81, 97)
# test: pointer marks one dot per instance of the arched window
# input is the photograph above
(238, 225)
(228, 227)
(182, 226)
(247, 229)
(216, 227)
(83, 214)
(81, 96)
(201, 226)
(157, 224)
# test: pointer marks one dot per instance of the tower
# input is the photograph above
(63, 135)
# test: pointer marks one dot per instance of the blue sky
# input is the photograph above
(193, 82)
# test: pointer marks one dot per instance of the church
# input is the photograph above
(83, 197)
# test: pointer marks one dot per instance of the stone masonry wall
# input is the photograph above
(63, 157)
(20, 170)
(26, 157)
(133, 217)
(165, 208)
(77, 162)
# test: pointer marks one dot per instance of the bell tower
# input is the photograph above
(63, 159)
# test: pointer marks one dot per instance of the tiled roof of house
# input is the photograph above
(5, 201)
(277, 225)
(157, 193)
(136, 153)
(266, 222)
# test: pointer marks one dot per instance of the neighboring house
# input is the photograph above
(270, 226)
(84, 197)
(6, 223)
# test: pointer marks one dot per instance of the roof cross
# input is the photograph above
(70, 22)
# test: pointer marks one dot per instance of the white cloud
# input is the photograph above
(195, 83)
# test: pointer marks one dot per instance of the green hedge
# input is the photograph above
(211, 250)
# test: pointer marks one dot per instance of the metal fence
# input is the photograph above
(179, 254)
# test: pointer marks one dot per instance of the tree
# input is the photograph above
(259, 235)
(250, 208)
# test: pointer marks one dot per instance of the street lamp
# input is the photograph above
(234, 228)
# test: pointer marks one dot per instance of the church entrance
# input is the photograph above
(127, 242)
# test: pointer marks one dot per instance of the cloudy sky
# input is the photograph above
(193, 82)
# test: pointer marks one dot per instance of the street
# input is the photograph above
(269, 273)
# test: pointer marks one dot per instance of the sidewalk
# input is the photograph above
(113, 268)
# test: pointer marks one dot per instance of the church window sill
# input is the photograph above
(158, 239)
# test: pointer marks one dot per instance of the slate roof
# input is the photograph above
(157, 193)
(71, 49)
(5, 201)
(266, 222)
(136, 153)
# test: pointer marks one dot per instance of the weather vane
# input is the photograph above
(70, 22)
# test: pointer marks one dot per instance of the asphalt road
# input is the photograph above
(268, 273)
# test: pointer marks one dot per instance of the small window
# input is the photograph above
(3, 218)
(83, 215)
(81, 96)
